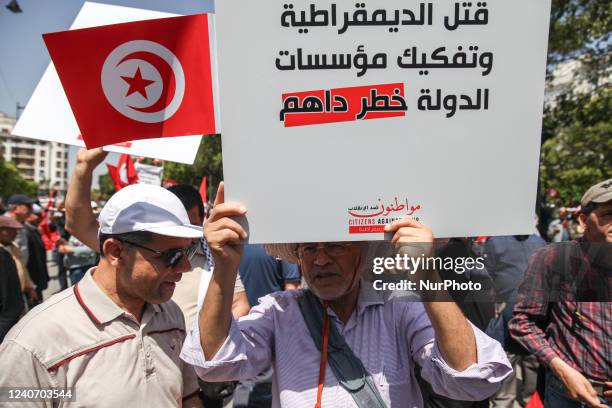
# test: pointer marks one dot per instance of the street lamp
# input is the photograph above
(14, 6)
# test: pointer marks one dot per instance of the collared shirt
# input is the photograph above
(80, 338)
(563, 308)
(389, 338)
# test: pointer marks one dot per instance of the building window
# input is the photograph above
(58, 174)
(43, 153)
(58, 165)
(66, 155)
(59, 155)
(65, 164)
(65, 174)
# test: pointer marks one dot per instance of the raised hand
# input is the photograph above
(91, 158)
(223, 234)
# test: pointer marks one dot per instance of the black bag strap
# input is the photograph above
(347, 367)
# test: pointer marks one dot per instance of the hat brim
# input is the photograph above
(179, 231)
(286, 252)
(11, 223)
(604, 198)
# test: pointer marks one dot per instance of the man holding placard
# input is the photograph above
(371, 345)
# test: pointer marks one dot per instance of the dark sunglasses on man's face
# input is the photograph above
(171, 257)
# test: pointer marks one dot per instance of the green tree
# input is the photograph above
(208, 163)
(577, 128)
(580, 29)
(106, 188)
(578, 157)
(13, 183)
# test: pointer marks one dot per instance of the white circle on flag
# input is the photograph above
(143, 60)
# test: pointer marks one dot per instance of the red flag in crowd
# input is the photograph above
(138, 80)
(124, 173)
(535, 401)
(50, 203)
(203, 190)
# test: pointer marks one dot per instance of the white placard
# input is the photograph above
(48, 116)
(148, 174)
(463, 157)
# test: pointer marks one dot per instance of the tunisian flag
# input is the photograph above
(140, 80)
(124, 173)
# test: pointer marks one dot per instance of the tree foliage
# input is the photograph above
(581, 154)
(580, 29)
(208, 163)
(577, 128)
(106, 188)
(12, 182)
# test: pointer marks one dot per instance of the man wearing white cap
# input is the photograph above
(114, 338)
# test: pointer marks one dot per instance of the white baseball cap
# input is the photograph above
(37, 209)
(146, 207)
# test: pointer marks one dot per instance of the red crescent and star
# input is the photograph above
(137, 84)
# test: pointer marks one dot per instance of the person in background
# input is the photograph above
(20, 206)
(263, 274)
(28, 288)
(11, 299)
(49, 234)
(563, 313)
(58, 224)
(78, 258)
(37, 261)
(558, 229)
(476, 306)
(506, 259)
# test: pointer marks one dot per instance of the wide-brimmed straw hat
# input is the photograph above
(286, 252)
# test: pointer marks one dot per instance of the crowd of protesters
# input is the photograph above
(544, 336)
(41, 239)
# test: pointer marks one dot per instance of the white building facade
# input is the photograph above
(43, 162)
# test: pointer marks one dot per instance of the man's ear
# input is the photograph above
(582, 218)
(112, 251)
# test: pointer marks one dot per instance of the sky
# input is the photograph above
(23, 56)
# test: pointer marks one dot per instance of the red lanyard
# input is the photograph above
(324, 341)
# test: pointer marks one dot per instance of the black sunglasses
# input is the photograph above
(172, 256)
